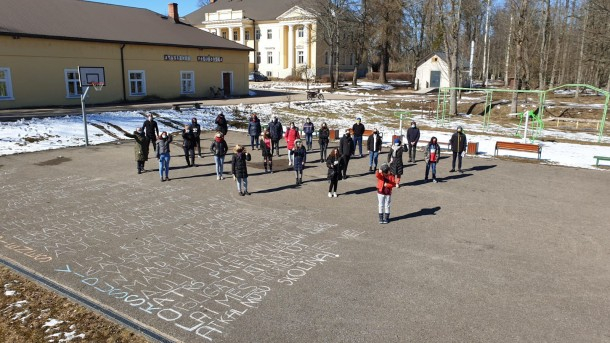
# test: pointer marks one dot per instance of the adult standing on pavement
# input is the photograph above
(300, 157)
(323, 139)
(265, 144)
(458, 147)
(335, 166)
(163, 144)
(291, 135)
(395, 160)
(412, 139)
(151, 130)
(373, 145)
(433, 152)
(254, 130)
(219, 149)
(239, 169)
(276, 132)
(140, 149)
(346, 148)
(308, 130)
(358, 130)
(188, 145)
(196, 130)
(221, 124)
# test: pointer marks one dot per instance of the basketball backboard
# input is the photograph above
(89, 75)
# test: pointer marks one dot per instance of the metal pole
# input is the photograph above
(471, 62)
(82, 104)
(527, 117)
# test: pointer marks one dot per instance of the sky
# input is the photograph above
(160, 6)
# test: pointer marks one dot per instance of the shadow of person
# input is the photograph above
(423, 212)
(453, 177)
(480, 168)
(361, 191)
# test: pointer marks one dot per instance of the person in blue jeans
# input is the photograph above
(432, 156)
(373, 145)
(308, 129)
(358, 131)
(219, 149)
(163, 144)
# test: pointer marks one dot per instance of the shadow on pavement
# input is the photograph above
(423, 212)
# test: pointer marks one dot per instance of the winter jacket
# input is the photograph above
(334, 170)
(429, 151)
(265, 145)
(221, 124)
(371, 141)
(308, 128)
(395, 159)
(141, 147)
(413, 135)
(385, 183)
(275, 130)
(150, 128)
(196, 130)
(300, 157)
(254, 127)
(323, 135)
(346, 146)
(358, 129)
(219, 147)
(188, 140)
(238, 164)
(458, 142)
(291, 136)
(163, 145)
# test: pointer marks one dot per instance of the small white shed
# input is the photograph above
(432, 72)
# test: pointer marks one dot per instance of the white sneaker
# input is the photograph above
(217, 177)
(289, 164)
(334, 194)
(330, 195)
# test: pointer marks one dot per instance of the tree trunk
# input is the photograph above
(508, 45)
(519, 51)
(485, 42)
(543, 47)
(582, 52)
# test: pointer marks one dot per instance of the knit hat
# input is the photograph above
(385, 168)
(459, 128)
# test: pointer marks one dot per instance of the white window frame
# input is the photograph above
(8, 84)
(235, 35)
(142, 81)
(269, 33)
(269, 57)
(301, 32)
(75, 82)
(300, 57)
(190, 73)
(259, 57)
(257, 34)
(247, 34)
(224, 34)
(269, 74)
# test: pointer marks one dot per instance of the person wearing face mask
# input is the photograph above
(188, 145)
(373, 145)
(395, 160)
(291, 135)
(432, 154)
(323, 139)
(346, 149)
(239, 169)
(265, 144)
(300, 157)
(151, 130)
(163, 144)
(219, 149)
(196, 130)
(412, 139)
(358, 130)
(385, 182)
(275, 132)
(308, 129)
(458, 147)
(334, 165)
(254, 130)
(140, 149)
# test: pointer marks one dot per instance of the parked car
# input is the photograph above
(256, 76)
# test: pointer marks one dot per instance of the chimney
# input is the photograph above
(172, 10)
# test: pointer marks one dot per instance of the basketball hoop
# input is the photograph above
(97, 85)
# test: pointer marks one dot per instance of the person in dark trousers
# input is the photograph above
(291, 135)
(221, 124)
(432, 156)
(219, 149)
(196, 130)
(308, 130)
(151, 130)
(412, 139)
(373, 145)
(140, 149)
(276, 132)
(358, 130)
(254, 131)
(163, 144)
(188, 145)
(346, 148)
(323, 139)
(385, 182)
(334, 164)
(458, 147)
(299, 154)
(239, 169)
(395, 160)
(265, 144)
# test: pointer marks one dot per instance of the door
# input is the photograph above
(226, 83)
(435, 78)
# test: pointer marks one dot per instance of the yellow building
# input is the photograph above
(145, 55)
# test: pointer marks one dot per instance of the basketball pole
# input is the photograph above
(82, 104)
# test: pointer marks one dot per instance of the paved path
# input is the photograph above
(505, 252)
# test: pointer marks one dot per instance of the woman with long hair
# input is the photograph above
(266, 146)
(334, 162)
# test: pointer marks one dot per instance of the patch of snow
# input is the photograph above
(52, 322)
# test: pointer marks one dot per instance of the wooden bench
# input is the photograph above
(598, 158)
(176, 107)
(519, 147)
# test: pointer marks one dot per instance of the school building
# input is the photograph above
(145, 55)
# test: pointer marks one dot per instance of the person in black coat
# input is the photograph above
(196, 130)
(188, 145)
(151, 130)
(299, 154)
(219, 149)
(221, 124)
(373, 145)
(346, 148)
(358, 130)
(412, 139)
(239, 169)
(254, 131)
(395, 160)
(458, 147)
(276, 132)
(334, 162)
(265, 144)
(323, 139)
(432, 156)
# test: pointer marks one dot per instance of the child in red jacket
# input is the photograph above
(385, 182)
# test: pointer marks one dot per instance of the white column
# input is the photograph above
(242, 36)
(230, 33)
(307, 41)
(291, 47)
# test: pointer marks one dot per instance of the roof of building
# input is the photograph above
(92, 21)
(254, 9)
(442, 56)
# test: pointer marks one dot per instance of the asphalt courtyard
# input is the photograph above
(507, 251)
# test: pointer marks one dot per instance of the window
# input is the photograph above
(258, 57)
(73, 89)
(269, 74)
(224, 34)
(300, 57)
(301, 32)
(247, 35)
(269, 57)
(187, 82)
(137, 82)
(257, 34)
(326, 57)
(6, 87)
(235, 35)
(269, 34)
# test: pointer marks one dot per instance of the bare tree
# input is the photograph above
(521, 9)
(450, 12)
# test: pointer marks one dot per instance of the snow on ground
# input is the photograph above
(59, 132)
